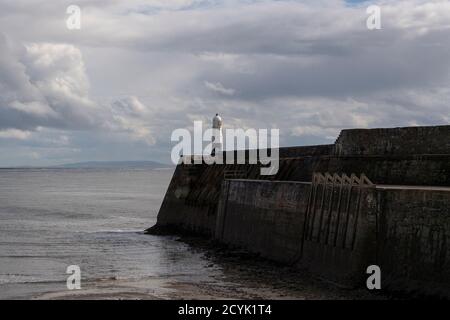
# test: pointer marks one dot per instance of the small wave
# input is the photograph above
(24, 279)
(133, 231)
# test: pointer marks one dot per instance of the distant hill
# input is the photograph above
(117, 164)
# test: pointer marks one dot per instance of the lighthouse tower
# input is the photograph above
(217, 137)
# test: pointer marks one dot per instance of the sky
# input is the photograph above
(136, 70)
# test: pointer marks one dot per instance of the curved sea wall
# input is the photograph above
(400, 221)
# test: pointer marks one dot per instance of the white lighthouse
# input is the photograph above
(217, 137)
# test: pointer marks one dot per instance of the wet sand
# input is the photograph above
(244, 276)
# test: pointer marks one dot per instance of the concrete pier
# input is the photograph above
(399, 221)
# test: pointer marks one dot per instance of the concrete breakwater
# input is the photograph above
(320, 212)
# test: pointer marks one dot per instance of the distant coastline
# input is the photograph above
(101, 165)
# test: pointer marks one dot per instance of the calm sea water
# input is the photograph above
(53, 218)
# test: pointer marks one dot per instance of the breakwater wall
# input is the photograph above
(341, 232)
(394, 141)
(400, 221)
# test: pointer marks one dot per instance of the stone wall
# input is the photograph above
(406, 232)
(193, 194)
(339, 240)
(414, 239)
(394, 141)
(263, 217)
(294, 152)
(425, 170)
(271, 219)
(190, 203)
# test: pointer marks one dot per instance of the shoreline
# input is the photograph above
(245, 277)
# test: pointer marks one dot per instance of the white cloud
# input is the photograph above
(328, 133)
(219, 88)
(43, 85)
(129, 105)
(14, 134)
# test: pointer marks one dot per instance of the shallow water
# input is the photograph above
(53, 218)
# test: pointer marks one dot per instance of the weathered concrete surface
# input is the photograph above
(191, 200)
(339, 240)
(394, 141)
(414, 239)
(405, 230)
(264, 217)
(179, 213)
(270, 218)
(190, 203)
(428, 170)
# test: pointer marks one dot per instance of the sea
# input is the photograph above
(92, 218)
(51, 219)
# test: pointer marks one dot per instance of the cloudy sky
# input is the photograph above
(137, 70)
